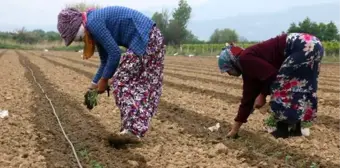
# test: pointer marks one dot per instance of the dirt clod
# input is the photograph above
(133, 163)
(25, 155)
(60, 164)
(220, 148)
(44, 139)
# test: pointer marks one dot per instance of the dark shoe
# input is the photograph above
(296, 130)
(281, 130)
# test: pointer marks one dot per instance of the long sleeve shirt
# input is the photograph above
(115, 26)
(260, 64)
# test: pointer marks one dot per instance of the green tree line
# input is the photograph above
(176, 33)
(24, 36)
(325, 32)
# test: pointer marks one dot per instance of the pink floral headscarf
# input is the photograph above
(69, 21)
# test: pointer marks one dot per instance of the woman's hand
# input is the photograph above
(93, 86)
(260, 101)
(102, 85)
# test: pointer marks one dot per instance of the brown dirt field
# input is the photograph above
(195, 96)
(20, 139)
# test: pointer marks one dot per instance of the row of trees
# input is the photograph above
(326, 32)
(174, 27)
(24, 36)
(176, 32)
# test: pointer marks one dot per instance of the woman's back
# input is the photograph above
(128, 27)
(271, 50)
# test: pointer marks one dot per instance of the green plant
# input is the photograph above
(91, 99)
(314, 165)
(306, 124)
(270, 121)
(287, 158)
(96, 164)
(84, 153)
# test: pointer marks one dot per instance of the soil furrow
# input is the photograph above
(85, 131)
(228, 84)
(256, 148)
(213, 68)
(187, 77)
(183, 87)
(215, 72)
(329, 122)
(19, 141)
(177, 149)
(324, 80)
(176, 75)
(95, 61)
(58, 152)
(185, 69)
(2, 53)
(211, 71)
(193, 78)
(213, 94)
(182, 117)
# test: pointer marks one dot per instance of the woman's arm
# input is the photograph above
(103, 36)
(103, 58)
(256, 74)
(251, 88)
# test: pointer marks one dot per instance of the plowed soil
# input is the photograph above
(195, 96)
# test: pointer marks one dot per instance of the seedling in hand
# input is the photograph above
(91, 99)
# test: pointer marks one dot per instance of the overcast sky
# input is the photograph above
(43, 13)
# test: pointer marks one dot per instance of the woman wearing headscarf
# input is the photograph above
(137, 77)
(285, 67)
